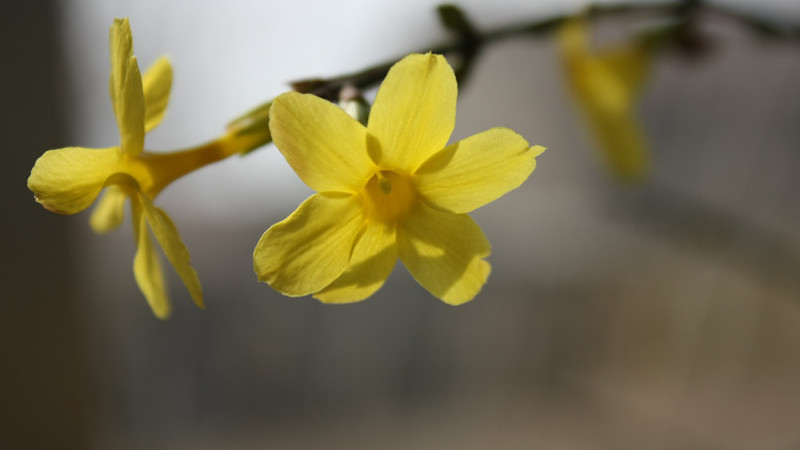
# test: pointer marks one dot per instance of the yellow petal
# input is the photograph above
(109, 211)
(167, 236)
(373, 259)
(606, 85)
(624, 146)
(147, 267)
(157, 82)
(325, 147)
(414, 112)
(473, 172)
(444, 252)
(312, 247)
(68, 180)
(125, 87)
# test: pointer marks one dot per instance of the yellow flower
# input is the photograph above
(68, 180)
(390, 189)
(606, 84)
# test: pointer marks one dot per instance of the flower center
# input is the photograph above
(389, 197)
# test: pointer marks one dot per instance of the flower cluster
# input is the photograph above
(391, 189)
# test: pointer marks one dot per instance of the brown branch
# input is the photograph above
(469, 41)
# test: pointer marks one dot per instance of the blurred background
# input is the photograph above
(659, 316)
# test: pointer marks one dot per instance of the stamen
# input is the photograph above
(383, 184)
(389, 197)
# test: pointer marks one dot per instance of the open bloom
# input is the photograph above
(68, 180)
(390, 189)
(606, 84)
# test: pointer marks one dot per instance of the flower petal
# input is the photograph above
(68, 180)
(125, 88)
(325, 147)
(622, 142)
(444, 252)
(312, 247)
(109, 211)
(147, 267)
(167, 236)
(156, 83)
(373, 259)
(473, 172)
(414, 112)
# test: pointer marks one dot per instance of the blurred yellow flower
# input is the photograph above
(606, 84)
(390, 189)
(68, 180)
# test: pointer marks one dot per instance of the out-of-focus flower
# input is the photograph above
(68, 180)
(390, 189)
(606, 84)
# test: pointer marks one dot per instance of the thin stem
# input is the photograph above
(168, 167)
